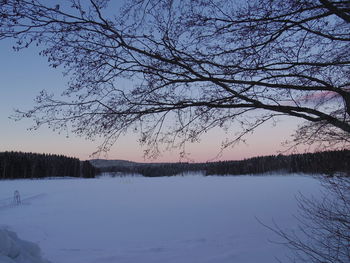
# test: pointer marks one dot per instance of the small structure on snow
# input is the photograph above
(17, 198)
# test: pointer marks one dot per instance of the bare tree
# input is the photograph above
(172, 70)
(323, 235)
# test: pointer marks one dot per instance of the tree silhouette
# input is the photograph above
(323, 233)
(172, 70)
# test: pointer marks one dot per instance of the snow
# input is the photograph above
(169, 219)
(15, 250)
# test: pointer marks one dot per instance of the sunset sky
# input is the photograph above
(24, 74)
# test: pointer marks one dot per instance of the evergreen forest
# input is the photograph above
(327, 162)
(20, 165)
(16, 165)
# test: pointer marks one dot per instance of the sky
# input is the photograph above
(24, 74)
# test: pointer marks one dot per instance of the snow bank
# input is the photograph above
(15, 250)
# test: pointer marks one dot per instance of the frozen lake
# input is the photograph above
(185, 219)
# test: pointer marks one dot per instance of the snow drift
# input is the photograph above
(15, 250)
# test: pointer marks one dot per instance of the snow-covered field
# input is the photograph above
(171, 219)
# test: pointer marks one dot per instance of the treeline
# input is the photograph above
(327, 162)
(15, 165)
(153, 169)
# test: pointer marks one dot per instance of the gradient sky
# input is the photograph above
(24, 74)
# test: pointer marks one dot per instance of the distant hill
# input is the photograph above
(102, 163)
